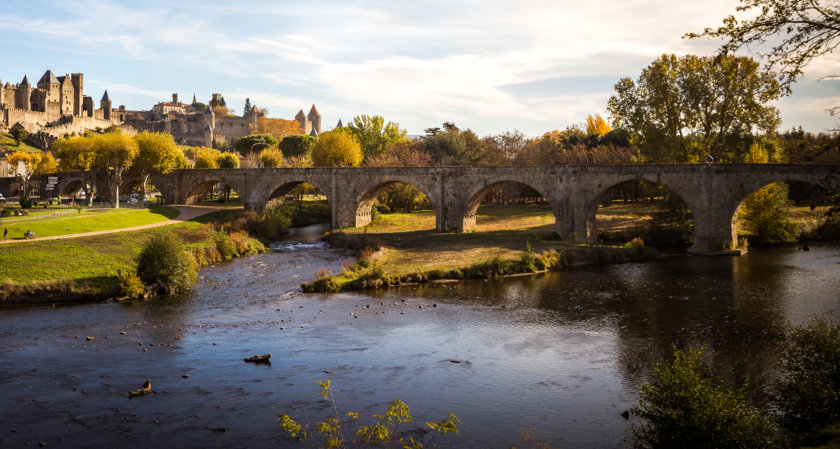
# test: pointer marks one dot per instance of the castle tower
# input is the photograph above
(105, 105)
(22, 100)
(2, 95)
(210, 118)
(315, 118)
(339, 125)
(78, 80)
(208, 135)
(175, 98)
(304, 124)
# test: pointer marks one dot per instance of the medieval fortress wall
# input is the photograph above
(57, 106)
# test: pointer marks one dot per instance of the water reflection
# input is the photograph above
(560, 352)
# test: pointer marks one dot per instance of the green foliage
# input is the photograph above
(374, 135)
(681, 407)
(337, 148)
(401, 197)
(224, 245)
(271, 158)
(684, 108)
(25, 202)
(273, 222)
(130, 284)
(19, 133)
(808, 394)
(164, 260)
(228, 160)
(384, 430)
(254, 143)
(296, 145)
(765, 215)
(452, 146)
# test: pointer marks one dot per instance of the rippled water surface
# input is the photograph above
(560, 353)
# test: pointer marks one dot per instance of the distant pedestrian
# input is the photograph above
(5, 232)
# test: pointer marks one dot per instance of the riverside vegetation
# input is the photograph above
(104, 266)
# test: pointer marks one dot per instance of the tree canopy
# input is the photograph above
(797, 31)
(228, 160)
(254, 143)
(684, 108)
(296, 145)
(271, 158)
(204, 157)
(114, 153)
(337, 148)
(374, 135)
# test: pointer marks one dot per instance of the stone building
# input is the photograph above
(56, 106)
(310, 124)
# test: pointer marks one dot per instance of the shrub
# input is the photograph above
(808, 394)
(681, 407)
(25, 202)
(224, 245)
(130, 284)
(163, 260)
(273, 222)
(765, 215)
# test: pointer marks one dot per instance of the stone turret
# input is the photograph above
(315, 118)
(208, 135)
(301, 119)
(209, 118)
(175, 98)
(78, 80)
(339, 125)
(22, 95)
(105, 105)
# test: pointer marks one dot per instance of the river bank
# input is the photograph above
(85, 269)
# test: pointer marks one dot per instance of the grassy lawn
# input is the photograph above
(8, 141)
(90, 262)
(119, 218)
(413, 244)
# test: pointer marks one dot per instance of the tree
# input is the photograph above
(596, 125)
(275, 127)
(46, 164)
(765, 213)
(296, 145)
(337, 148)
(228, 160)
(254, 143)
(204, 157)
(19, 133)
(23, 164)
(247, 108)
(157, 154)
(374, 135)
(452, 146)
(682, 109)
(681, 407)
(271, 158)
(75, 153)
(114, 153)
(798, 30)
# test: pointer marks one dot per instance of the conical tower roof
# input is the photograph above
(207, 110)
(48, 78)
(194, 99)
(313, 111)
(339, 125)
(300, 115)
(25, 81)
(105, 97)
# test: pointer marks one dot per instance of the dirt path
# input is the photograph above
(185, 213)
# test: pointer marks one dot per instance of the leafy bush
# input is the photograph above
(224, 245)
(808, 394)
(25, 202)
(296, 145)
(163, 260)
(681, 407)
(765, 215)
(130, 284)
(273, 222)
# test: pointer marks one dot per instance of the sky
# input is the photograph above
(487, 65)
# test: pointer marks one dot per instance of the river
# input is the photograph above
(561, 353)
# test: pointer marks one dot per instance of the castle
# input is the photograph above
(57, 106)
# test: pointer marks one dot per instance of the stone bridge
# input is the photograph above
(713, 192)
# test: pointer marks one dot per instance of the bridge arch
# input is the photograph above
(593, 205)
(734, 206)
(199, 187)
(479, 194)
(364, 202)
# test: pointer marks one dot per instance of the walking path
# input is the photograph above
(185, 213)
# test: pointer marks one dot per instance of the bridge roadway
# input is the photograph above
(713, 192)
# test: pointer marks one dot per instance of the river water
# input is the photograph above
(561, 353)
